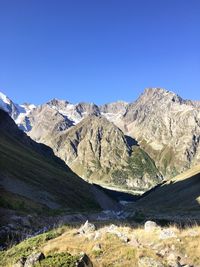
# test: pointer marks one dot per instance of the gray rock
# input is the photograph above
(163, 252)
(167, 233)
(149, 262)
(97, 236)
(87, 228)
(97, 247)
(84, 261)
(174, 260)
(33, 259)
(123, 237)
(193, 233)
(20, 262)
(113, 229)
(134, 242)
(150, 226)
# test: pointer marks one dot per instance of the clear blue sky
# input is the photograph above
(98, 50)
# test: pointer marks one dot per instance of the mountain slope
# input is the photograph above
(99, 151)
(32, 179)
(167, 127)
(179, 195)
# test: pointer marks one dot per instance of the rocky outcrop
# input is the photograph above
(33, 259)
(84, 261)
(87, 228)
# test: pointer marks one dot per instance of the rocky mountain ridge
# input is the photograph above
(166, 126)
(99, 152)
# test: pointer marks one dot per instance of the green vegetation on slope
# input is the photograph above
(26, 247)
(63, 259)
(142, 245)
(139, 166)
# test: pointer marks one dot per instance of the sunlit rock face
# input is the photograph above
(167, 127)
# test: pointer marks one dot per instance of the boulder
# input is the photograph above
(84, 261)
(33, 259)
(113, 229)
(97, 235)
(174, 260)
(87, 228)
(90, 236)
(134, 242)
(150, 226)
(20, 262)
(122, 237)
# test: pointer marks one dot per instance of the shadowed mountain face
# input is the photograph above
(179, 195)
(33, 179)
(99, 152)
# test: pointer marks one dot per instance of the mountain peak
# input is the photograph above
(157, 91)
(56, 102)
(160, 94)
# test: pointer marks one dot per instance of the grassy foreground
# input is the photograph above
(143, 248)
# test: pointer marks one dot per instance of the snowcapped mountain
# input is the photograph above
(7, 105)
(19, 113)
(69, 114)
(74, 112)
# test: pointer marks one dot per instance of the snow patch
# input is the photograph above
(4, 98)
